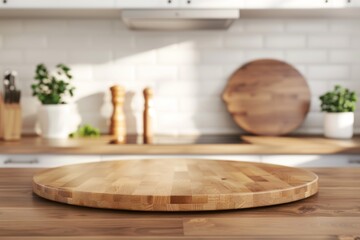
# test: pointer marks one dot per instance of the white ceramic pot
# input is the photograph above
(58, 120)
(339, 125)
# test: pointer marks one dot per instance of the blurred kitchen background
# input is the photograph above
(188, 70)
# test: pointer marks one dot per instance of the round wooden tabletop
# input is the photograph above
(175, 184)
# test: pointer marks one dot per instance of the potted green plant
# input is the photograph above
(56, 117)
(339, 106)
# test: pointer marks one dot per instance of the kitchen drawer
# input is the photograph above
(313, 160)
(249, 158)
(44, 161)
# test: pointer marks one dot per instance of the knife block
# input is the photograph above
(10, 121)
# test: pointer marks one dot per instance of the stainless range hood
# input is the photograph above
(179, 19)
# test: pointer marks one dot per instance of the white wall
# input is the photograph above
(188, 70)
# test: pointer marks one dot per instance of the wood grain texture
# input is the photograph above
(175, 184)
(10, 121)
(175, 145)
(336, 209)
(267, 97)
(117, 120)
(148, 116)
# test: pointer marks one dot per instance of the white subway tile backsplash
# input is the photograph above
(96, 26)
(314, 120)
(164, 105)
(306, 56)
(114, 73)
(20, 41)
(158, 74)
(267, 54)
(306, 25)
(126, 57)
(8, 57)
(261, 26)
(344, 56)
(106, 41)
(345, 26)
(89, 57)
(59, 42)
(238, 26)
(200, 41)
(187, 69)
(355, 42)
(150, 41)
(285, 41)
(82, 73)
(213, 88)
(202, 104)
(318, 87)
(244, 41)
(329, 41)
(45, 26)
(45, 56)
(315, 105)
(201, 72)
(355, 72)
(187, 57)
(10, 26)
(329, 72)
(353, 85)
(223, 56)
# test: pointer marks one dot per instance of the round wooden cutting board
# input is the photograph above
(175, 184)
(267, 97)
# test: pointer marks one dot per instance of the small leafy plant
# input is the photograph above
(85, 131)
(52, 88)
(339, 100)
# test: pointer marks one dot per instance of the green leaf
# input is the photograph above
(57, 87)
(339, 100)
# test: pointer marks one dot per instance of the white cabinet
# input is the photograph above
(248, 158)
(212, 4)
(188, 4)
(297, 4)
(354, 3)
(147, 4)
(313, 160)
(280, 4)
(44, 161)
(56, 4)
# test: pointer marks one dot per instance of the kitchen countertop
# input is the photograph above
(334, 213)
(206, 144)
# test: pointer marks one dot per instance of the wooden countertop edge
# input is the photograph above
(180, 149)
(251, 145)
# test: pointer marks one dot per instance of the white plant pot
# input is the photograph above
(58, 120)
(339, 125)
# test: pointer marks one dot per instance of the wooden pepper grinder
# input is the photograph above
(118, 124)
(148, 116)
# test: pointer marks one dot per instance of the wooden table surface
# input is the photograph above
(212, 144)
(334, 213)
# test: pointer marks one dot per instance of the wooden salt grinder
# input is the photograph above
(148, 116)
(117, 124)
